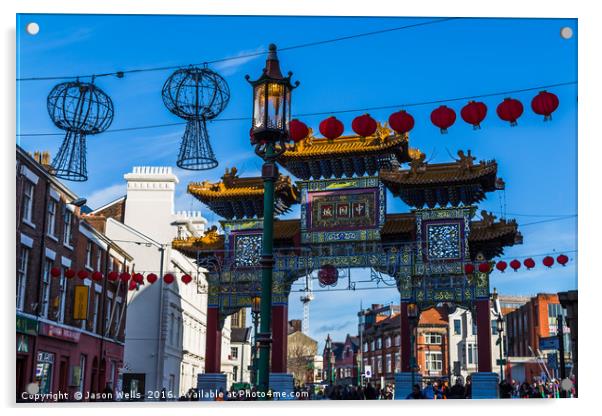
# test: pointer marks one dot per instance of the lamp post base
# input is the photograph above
(404, 382)
(485, 385)
(282, 385)
(210, 386)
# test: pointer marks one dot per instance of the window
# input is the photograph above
(379, 364)
(98, 259)
(474, 327)
(89, 254)
(397, 362)
(388, 342)
(493, 327)
(67, 228)
(172, 327)
(457, 327)
(108, 307)
(62, 295)
(397, 340)
(434, 361)
(379, 344)
(96, 311)
(22, 276)
(51, 218)
(46, 287)
(472, 354)
(432, 338)
(389, 367)
(117, 318)
(365, 347)
(372, 345)
(27, 203)
(235, 373)
(82, 372)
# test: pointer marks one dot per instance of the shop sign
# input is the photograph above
(80, 302)
(59, 332)
(27, 325)
(22, 343)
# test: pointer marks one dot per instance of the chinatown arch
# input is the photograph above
(340, 186)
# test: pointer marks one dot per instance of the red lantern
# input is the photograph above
(297, 130)
(562, 259)
(125, 276)
(364, 125)
(151, 278)
(97, 276)
(55, 272)
(186, 279)
(69, 273)
(138, 278)
(501, 266)
(469, 268)
(443, 117)
(545, 103)
(510, 110)
(331, 128)
(113, 276)
(169, 278)
(548, 261)
(252, 136)
(474, 113)
(529, 263)
(133, 285)
(515, 264)
(328, 275)
(401, 121)
(82, 274)
(484, 267)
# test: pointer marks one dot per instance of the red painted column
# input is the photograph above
(483, 335)
(406, 352)
(279, 338)
(213, 347)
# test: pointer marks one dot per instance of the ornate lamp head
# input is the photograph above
(271, 102)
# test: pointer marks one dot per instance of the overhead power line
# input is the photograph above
(243, 56)
(319, 113)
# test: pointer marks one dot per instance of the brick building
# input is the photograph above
(70, 330)
(342, 360)
(381, 338)
(380, 335)
(525, 326)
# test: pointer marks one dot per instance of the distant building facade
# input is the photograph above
(165, 341)
(526, 326)
(70, 328)
(301, 355)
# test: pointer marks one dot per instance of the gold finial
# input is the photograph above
(383, 132)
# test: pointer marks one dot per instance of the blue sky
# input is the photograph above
(455, 58)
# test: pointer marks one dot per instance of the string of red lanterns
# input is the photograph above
(135, 279)
(529, 263)
(443, 117)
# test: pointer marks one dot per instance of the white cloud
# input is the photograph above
(105, 195)
(231, 66)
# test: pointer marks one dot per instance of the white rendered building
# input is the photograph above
(463, 357)
(166, 324)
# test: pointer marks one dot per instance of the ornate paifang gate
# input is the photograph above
(344, 223)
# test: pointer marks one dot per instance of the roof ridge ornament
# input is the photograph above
(466, 162)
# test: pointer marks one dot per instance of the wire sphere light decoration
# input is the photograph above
(81, 109)
(196, 94)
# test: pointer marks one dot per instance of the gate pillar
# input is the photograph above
(281, 382)
(485, 382)
(213, 380)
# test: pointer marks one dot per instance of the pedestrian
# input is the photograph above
(468, 388)
(457, 391)
(429, 392)
(416, 394)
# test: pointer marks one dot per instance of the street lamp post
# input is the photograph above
(500, 330)
(413, 314)
(255, 317)
(269, 134)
